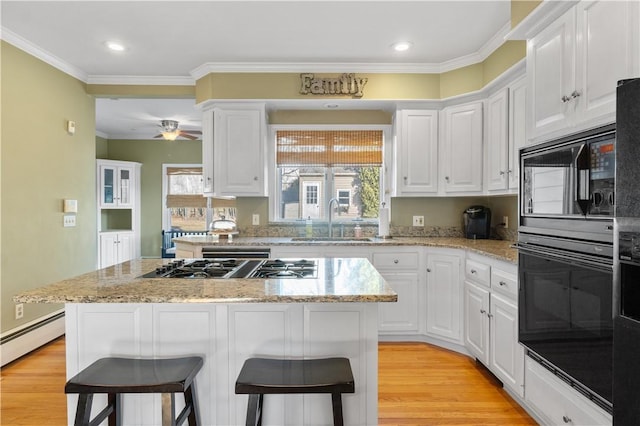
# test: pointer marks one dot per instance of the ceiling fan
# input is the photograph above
(170, 131)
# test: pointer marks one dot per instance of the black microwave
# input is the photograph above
(567, 186)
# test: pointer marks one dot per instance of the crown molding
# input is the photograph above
(25, 45)
(539, 18)
(145, 80)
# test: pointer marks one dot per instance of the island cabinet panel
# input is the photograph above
(98, 330)
(226, 335)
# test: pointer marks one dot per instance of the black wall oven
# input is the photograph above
(565, 241)
(565, 311)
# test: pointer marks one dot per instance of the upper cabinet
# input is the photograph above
(234, 149)
(573, 66)
(417, 152)
(505, 134)
(461, 146)
(116, 184)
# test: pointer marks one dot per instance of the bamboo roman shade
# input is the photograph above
(185, 200)
(329, 147)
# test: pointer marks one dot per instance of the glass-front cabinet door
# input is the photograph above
(116, 186)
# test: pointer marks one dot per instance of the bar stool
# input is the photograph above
(115, 376)
(260, 376)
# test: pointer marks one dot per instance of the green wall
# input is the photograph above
(152, 154)
(41, 164)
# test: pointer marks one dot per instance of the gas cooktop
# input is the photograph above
(236, 268)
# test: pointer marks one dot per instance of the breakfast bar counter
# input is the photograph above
(115, 312)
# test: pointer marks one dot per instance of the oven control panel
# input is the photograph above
(630, 246)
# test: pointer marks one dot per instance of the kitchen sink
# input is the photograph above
(332, 239)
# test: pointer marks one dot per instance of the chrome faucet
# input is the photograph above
(330, 215)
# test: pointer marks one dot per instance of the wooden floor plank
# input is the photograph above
(419, 385)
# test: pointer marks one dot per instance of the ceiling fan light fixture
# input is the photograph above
(171, 136)
(169, 125)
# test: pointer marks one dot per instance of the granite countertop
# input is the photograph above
(338, 280)
(498, 249)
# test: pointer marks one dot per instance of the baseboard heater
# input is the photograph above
(20, 342)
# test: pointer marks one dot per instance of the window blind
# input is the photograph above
(183, 200)
(329, 147)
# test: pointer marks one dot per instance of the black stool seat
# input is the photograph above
(260, 376)
(115, 376)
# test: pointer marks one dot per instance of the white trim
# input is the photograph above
(145, 80)
(539, 18)
(39, 53)
(22, 345)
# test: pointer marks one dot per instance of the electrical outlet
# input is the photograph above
(255, 219)
(69, 220)
(418, 221)
(505, 220)
(19, 310)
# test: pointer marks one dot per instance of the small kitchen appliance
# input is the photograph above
(477, 222)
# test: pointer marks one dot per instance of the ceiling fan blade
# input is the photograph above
(185, 135)
(194, 132)
(158, 136)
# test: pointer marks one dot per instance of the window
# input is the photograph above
(313, 166)
(185, 207)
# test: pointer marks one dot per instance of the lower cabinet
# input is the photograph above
(444, 294)
(556, 403)
(491, 319)
(402, 269)
(116, 247)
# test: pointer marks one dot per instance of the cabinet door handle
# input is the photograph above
(428, 269)
(501, 173)
(490, 315)
(473, 271)
(396, 261)
(482, 311)
(405, 178)
(575, 94)
(446, 178)
(566, 419)
(509, 171)
(255, 178)
(502, 283)
(565, 99)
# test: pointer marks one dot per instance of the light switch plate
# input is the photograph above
(69, 220)
(255, 220)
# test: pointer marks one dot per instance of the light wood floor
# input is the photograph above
(419, 385)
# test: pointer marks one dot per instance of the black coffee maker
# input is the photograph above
(477, 222)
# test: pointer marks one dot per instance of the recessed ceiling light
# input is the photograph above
(401, 46)
(115, 46)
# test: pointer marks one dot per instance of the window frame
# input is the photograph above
(166, 214)
(328, 188)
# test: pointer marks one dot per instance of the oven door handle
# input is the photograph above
(581, 167)
(578, 259)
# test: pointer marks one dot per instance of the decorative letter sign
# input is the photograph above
(347, 84)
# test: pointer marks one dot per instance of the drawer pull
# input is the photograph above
(566, 419)
(473, 271)
(428, 269)
(502, 283)
(396, 261)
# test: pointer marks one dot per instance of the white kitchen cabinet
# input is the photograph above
(402, 269)
(491, 319)
(444, 295)
(116, 247)
(556, 403)
(573, 66)
(461, 148)
(116, 182)
(417, 152)
(234, 149)
(476, 322)
(517, 129)
(497, 137)
(505, 125)
(118, 211)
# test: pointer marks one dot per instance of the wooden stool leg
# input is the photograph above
(254, 410)
(83, 412)
(336, 402)
(190, 400)
(115, 400)
(168, 409)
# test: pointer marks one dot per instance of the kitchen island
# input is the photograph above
(115, 312)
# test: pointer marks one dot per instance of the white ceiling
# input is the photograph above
(179, 41)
